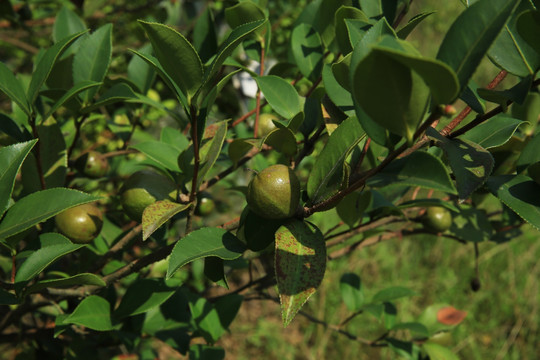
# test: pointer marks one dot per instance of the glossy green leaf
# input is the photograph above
(79, 279)
(470, 163)
(116, 93)
(240, 147)
(325, 21)
(335, 91)
(42, 258)
(307, 50)
(511, 52)
(352, 293)
(11, 158)
(282, 140)
(214, 150)
(204, 35)
(67, 23)
(13, 88)
(412, 24)
(440, 78)
(214, 271)
(352, 207)
(529, 155)
(356, 29)
(427, 203)
(177, 56)
(92, 60)
(418, 169)
(154, 63)
(371, 8)
(342, 33)
(257, 231)
(471, 35)
(516, 192)
(94, 312)
(206, 319)
(7, 298)
(143, 295)
(392, 293)
(53, 158)
(390, 93)
(471, 98)
(160, 152)
(416, 328)
(243, 13)
(45, 65)
(327, 174)
(439, 352)
(157, 214)
(227, 307)
(494, 132)
(300, 264)
(281, 95)
(199, 351)
(528, 27)
(40, 206)
(70, 94)
(472, 225)
(202, 243)
(140, 72)
(516, 94)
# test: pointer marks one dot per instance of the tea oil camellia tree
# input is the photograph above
(369, 137)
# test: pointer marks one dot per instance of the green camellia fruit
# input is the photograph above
(143, 188)
(266, 125)
(92, 164)
(437, 219)
(274, 193)
(534, 172)
(205, 206)
(81, 224)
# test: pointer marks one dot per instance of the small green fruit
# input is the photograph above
(92, 164)
(266, 125)
(205, 206)
(534, 172)
(274, 193)
(81, 224)
(143, 188)
(437, 219)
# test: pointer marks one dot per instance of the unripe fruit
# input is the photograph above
(81, 224)
(92, 164)
(274, 193)
(534, 172)
(266, 125)
(205, 206)
(143, 188)
(437, 219)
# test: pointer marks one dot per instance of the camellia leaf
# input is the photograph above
(528, 26)
(281, 95)
(282, 140)
(71, 93)
(243, 13)
(79, 279)
(116, 93)
(471, 35)
(43, 257)
(529, 155)
(94, 312)
(40, 206)
(177, 56)
(7, 298)
(350, 286)
(518, 193)
(342, 33)
(214, 270)
(202, 243)
(158, 213)
(11, 158)
(67, 23)
(438, 352)
(139, 72)
(204, 35)
(143, 295)
(470, 163)
(307, 50)
(352, 207)
(325, 21)
(206, 319)
(258, 232)
(418, 169)
(472, 225)
(160, 152)
(326, 177)
(92, 60)
(300, 263)
(412, 24)
(494, 132)
(213, 151)
(513, 53)
(392, 293)
(45, 65)
(13, 88)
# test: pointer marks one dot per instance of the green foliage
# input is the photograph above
(364, 133)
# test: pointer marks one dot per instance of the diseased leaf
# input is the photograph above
(158, 213)
(300, 263)
(202, 243)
